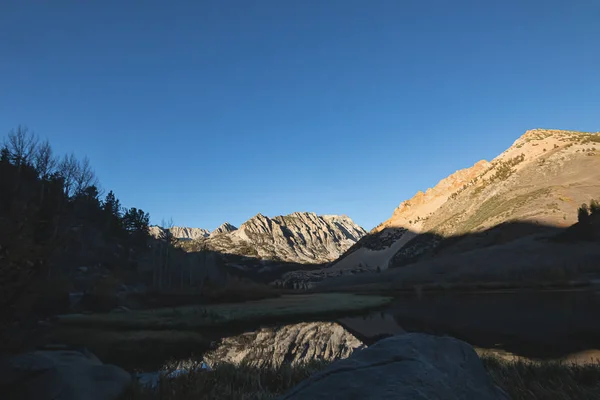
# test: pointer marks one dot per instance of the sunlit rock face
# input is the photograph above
(223, 228)
(178, 232)
(293, 344)
(300, 237)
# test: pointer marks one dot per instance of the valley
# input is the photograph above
(502, 256)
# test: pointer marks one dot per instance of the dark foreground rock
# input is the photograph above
(293, 344)
(60, 375)
(408, 367)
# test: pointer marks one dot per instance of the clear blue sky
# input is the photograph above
(207, 111)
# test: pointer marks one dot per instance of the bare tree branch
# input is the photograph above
(44, 160)
(166, 233)
(21, 145)
(68, 168)
(85, 176)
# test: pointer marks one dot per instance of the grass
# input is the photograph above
(235, 290)
(285, 308)
(533, 380)
(520, 379)
(497, 205)
(412, 288)
(131, 350)
(591, 139)
(229, 382)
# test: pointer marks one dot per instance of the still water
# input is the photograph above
(542, 325)
(546, 325)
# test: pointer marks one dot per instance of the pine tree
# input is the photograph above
(112, 205)
(136, 220)
(4, 155)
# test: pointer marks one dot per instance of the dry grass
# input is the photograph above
(132, 349)
(228, 382)
(531, 380)
(522, 380)
(280, 309)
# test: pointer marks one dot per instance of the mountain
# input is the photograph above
(536, 185)
(224, 228)
(301, 237)
(180, 232)
(541, 168)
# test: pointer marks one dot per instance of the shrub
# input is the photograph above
(594, 207)
(583, 213)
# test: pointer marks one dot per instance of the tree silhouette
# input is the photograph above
(68, 170)
(84, 176)
(21, 145)
(136, 220)
(51, 221)
(44, 160)
(4, 155)
(112, 205)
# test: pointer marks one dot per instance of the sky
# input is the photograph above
(213, 111)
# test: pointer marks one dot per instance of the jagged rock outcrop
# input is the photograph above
(179, 232)
(293, 344)
(296, 238)
(411, 366)
(223, 228)
(540, 180)
(301, 237)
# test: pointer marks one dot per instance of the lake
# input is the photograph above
(542, 325)
(539, 325)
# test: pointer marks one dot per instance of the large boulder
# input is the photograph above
(408, 367)
(290, 344)
(60, 375)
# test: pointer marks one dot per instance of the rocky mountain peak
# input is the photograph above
(226, 227)
(178, 232)
(303, 237)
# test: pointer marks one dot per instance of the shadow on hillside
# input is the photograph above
(429, 245)
(513, 254)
